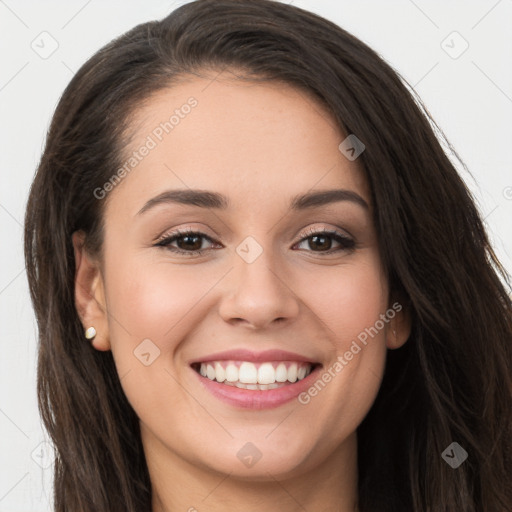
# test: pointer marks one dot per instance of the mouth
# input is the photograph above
(245, 379)
(255, 376)
(255, 381)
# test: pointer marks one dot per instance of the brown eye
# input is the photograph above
(322, 241)
(187, 242)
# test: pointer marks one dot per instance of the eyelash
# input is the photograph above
(346, 243)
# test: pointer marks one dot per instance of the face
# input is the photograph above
(249, 320)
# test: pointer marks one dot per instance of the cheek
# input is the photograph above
(153, 299)
(152, 308)
(350, 302)
(350, 309)
(349, 382)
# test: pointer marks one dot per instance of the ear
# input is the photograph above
(89, 293)
(399, 328)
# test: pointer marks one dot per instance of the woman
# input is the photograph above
(259, 281)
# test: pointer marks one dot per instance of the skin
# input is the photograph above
(259, 144)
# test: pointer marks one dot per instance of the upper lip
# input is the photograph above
(255, 357)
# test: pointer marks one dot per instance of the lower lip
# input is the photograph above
(255, 398)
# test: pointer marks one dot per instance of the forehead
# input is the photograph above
(256, 142)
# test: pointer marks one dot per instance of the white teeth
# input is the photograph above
(266, 374)
(281, 373)
(261, 387)
(231, 373)
(292, 372)
(248, 375)
(210, 372)
(220, 373)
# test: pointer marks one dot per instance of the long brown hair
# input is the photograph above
(452, 380)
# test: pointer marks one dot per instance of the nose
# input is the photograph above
(257, 295)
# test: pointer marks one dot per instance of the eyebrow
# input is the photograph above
(208, 199)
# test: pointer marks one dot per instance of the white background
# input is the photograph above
(470, 97)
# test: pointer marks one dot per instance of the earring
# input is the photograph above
(90, 333)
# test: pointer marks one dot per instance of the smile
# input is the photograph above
(246, 379)
(254, 376)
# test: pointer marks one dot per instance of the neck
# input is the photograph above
(180, 486)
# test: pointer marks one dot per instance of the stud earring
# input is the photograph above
(90, 333)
